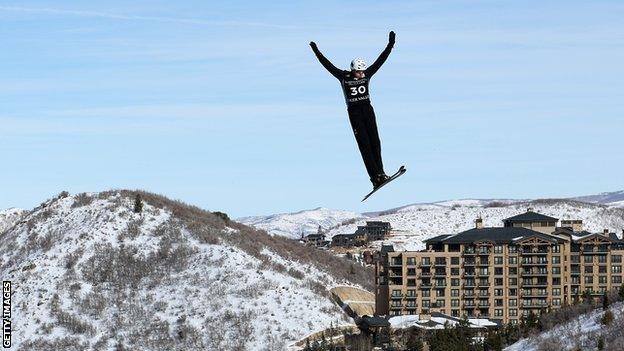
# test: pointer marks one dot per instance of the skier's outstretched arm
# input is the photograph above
(372, 69)
(336, 72)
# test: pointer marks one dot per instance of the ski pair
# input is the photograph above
(391, 178)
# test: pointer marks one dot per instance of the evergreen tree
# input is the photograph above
(605, 301)
(138, 204)
(601, 344)
(621, 292)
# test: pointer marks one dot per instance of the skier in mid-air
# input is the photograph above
(361, 114)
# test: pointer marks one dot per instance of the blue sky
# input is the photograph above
(223, 105)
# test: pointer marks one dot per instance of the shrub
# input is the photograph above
(607, 318)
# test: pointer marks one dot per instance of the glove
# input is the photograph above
(313, 45)
(391, 37)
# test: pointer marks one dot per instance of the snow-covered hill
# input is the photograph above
(582, 333)
(9, 217)
(415, 223)
(611, 198)
(89, 273)
(292, 225)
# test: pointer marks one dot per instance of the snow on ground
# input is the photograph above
(414, 223)
(579, 334)
(291, 225)
(9, 217)
(90, 273)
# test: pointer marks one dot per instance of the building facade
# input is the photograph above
(499, 273)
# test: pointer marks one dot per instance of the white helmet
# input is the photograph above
(358, 64)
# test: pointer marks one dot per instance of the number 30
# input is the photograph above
(361, 89)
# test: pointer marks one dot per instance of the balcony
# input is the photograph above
(410, 297)
(535, 263)
(534, 252)
(469, 252)
(534, 274)
(486, 283)
(469, 284)
(470, 263)
(469, 306)
(440, 263)
(483, 263)
(535, 305)
(534, 284)
(396, 263)
(425, 285)
(427, 264)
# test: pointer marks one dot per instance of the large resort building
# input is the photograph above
(499, 273)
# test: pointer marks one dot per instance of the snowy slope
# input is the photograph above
(90, 274)
(291, 225)
(610, 198)
(581, 333)
(417, 222)
(9, 217)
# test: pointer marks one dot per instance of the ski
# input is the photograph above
(392, 177)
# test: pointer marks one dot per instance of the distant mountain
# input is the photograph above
(612, 198)
(417, 222)
(292, 225)
(91, 274)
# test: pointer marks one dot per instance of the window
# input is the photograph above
(513, 260)
(513, 281)
(440, 303)
(513, 249)
(616, 279)
(395, 303)
(556, 270)
(454, 260)
(454, 292)
(454, 303)
(602, 280)
(602, 259)
(498, 281)
(556, 291)
(513, 313)
(498, 312)
(454, 281)
(556, 259)
(498, 271)
(556, 302)
(616, 259)
(588, 259)
(439, 292)
(411, 261)
(498, 292)
(426, 261)
(498, 260)
(555, 248)
(602, 269)
(616, 269)
(426, 293)
(483, 271)
(513, 292)
(556, 281)
(396, 293)
(589, 269)
(513, 270)
(426, 303)
(498, 249)
(589, 280)
(498, 302)
(411, 293)
(454, 271)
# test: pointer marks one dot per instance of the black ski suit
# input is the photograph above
(361, 113)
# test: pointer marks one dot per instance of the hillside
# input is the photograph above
(9, 217)
(291, 225)
(415, 223)
(581, 333)
(90, 274)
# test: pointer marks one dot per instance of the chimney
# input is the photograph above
(479, 223)
(605, 232)
(530, 209)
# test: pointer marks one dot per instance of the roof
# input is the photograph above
(495, 234)
(437, 238)
(530, 216)
(374, 321)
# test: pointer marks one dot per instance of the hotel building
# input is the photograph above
(499, 273)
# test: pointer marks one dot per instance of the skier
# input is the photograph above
(361, 114)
